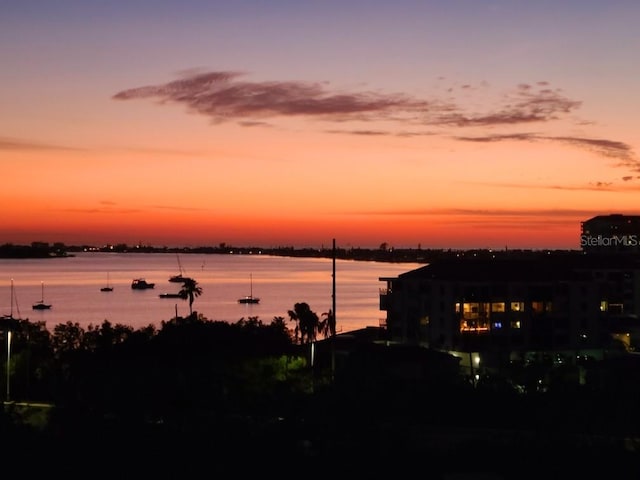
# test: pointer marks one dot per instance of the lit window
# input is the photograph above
(470, 310)
(497, 307)
(537, 307)
(517, 306)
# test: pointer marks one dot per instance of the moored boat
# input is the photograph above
(180, 277)
(249, 298)
(171, 295)
(141, 284)
(40, 305)
(107, 287)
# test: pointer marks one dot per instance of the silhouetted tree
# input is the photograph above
(30, 357)
(190, 289)
(106, 335)
(328, 325)
(307, 322)
(67, 337)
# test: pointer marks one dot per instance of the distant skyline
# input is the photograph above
(458, 124)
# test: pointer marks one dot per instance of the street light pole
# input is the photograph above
(8, 364)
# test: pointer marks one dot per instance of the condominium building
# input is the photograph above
(504, 306)
(611, 234)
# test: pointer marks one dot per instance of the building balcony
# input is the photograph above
(384, 299)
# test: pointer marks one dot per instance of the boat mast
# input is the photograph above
(179, 264)
(11, 309)
(14, 301)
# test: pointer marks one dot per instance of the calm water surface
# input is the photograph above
(72, 286)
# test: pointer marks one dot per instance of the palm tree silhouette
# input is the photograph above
(189, 290)
(328, 326)
(307, 322)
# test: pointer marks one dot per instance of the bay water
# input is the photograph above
(72, 285)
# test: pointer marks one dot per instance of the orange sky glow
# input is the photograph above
(197, 125)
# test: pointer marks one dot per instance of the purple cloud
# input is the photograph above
(603, 147)
(524, 105)
(225, 96)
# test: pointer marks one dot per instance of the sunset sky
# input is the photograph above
(432, 124)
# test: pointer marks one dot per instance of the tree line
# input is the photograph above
(199, 391)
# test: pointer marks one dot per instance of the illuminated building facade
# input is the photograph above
(509, 305)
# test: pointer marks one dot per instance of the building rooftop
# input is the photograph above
(542, 267)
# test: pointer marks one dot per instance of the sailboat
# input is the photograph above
(41, 305)
(108, 287)
(10, 319)
(249, 298)
(179, 278)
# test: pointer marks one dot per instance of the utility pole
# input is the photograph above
(333, 305)
(333, 295)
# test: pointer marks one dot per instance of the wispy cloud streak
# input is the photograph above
(225, 96)
(603, 147)
(15, 144)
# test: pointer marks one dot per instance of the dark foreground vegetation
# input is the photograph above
(200, 397)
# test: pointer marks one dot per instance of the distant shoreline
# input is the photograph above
(394, 255)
